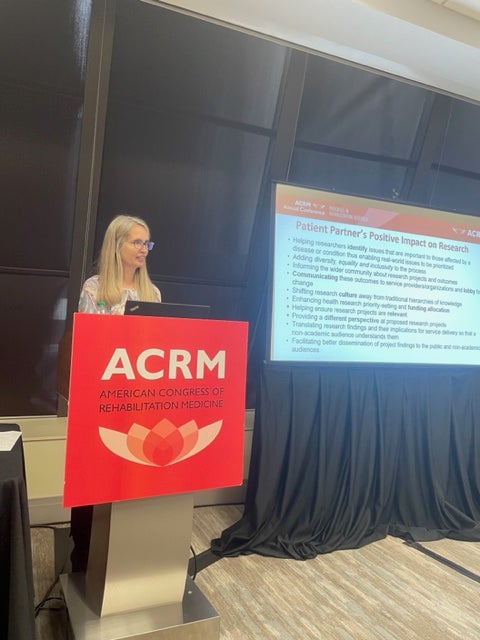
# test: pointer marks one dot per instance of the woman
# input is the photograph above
(122, 273)
(122, 276)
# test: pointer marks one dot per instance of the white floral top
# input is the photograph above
(88, 302)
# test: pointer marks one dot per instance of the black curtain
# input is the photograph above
(343, 456)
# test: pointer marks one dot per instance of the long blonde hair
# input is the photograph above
(110, 267)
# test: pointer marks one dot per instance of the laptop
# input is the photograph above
(166, 309)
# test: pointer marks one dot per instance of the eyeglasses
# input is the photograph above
(140, 244)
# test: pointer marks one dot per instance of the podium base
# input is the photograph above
(192, 619)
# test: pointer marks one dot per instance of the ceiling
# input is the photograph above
(435, 43)
(470, 8)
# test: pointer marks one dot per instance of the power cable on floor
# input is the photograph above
(448, 563)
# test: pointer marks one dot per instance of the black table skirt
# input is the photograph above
(17, 617)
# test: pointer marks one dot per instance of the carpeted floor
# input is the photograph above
(387, 590)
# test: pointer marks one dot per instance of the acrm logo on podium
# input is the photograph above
(163, 445)
(156, 407)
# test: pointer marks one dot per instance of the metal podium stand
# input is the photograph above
(136, 584)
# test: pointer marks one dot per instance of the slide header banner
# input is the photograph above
(330, 207)
(157, 406)
(363, 281)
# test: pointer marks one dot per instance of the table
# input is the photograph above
(17, 609)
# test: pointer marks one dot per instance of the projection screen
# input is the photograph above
(366, 281)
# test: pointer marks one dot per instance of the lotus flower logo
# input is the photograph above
(163, 445)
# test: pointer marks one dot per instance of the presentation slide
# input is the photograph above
(366, 281)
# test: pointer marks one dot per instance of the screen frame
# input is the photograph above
(389, 205)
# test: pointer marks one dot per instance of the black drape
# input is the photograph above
(343, 456)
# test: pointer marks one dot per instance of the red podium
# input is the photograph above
(156, 412)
